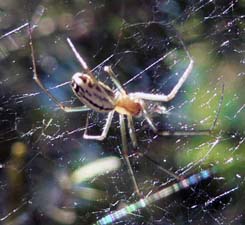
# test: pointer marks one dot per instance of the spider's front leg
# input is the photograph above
(45, 90)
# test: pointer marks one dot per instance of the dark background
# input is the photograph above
(40, 145)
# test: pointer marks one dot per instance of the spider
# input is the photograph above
(99, 97)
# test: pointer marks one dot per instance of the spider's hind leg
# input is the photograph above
(104, 133)
(172, 132)
(135, 145)
(132, 131)
(125, 154)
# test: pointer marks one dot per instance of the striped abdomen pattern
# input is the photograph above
(95, 95)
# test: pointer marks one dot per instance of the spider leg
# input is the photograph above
(173, 92)
(132, 131)
(173, 133)
(105, 129)
(135, 145)
(81, 60)
(125, 153)
(149, 121)
(112, 75)
(37, 80)
(184, 133)
(197, 132)
(83, 108)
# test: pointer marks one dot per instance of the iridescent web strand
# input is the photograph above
(142, 203)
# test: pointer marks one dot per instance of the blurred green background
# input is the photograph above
(41, 146)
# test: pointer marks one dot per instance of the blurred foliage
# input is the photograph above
(41, 146)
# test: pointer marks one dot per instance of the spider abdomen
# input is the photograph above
(95, 95)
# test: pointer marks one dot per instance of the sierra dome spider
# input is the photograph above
(99, 97)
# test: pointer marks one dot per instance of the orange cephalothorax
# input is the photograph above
(127, 106)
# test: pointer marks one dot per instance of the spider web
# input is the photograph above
(42, 147)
